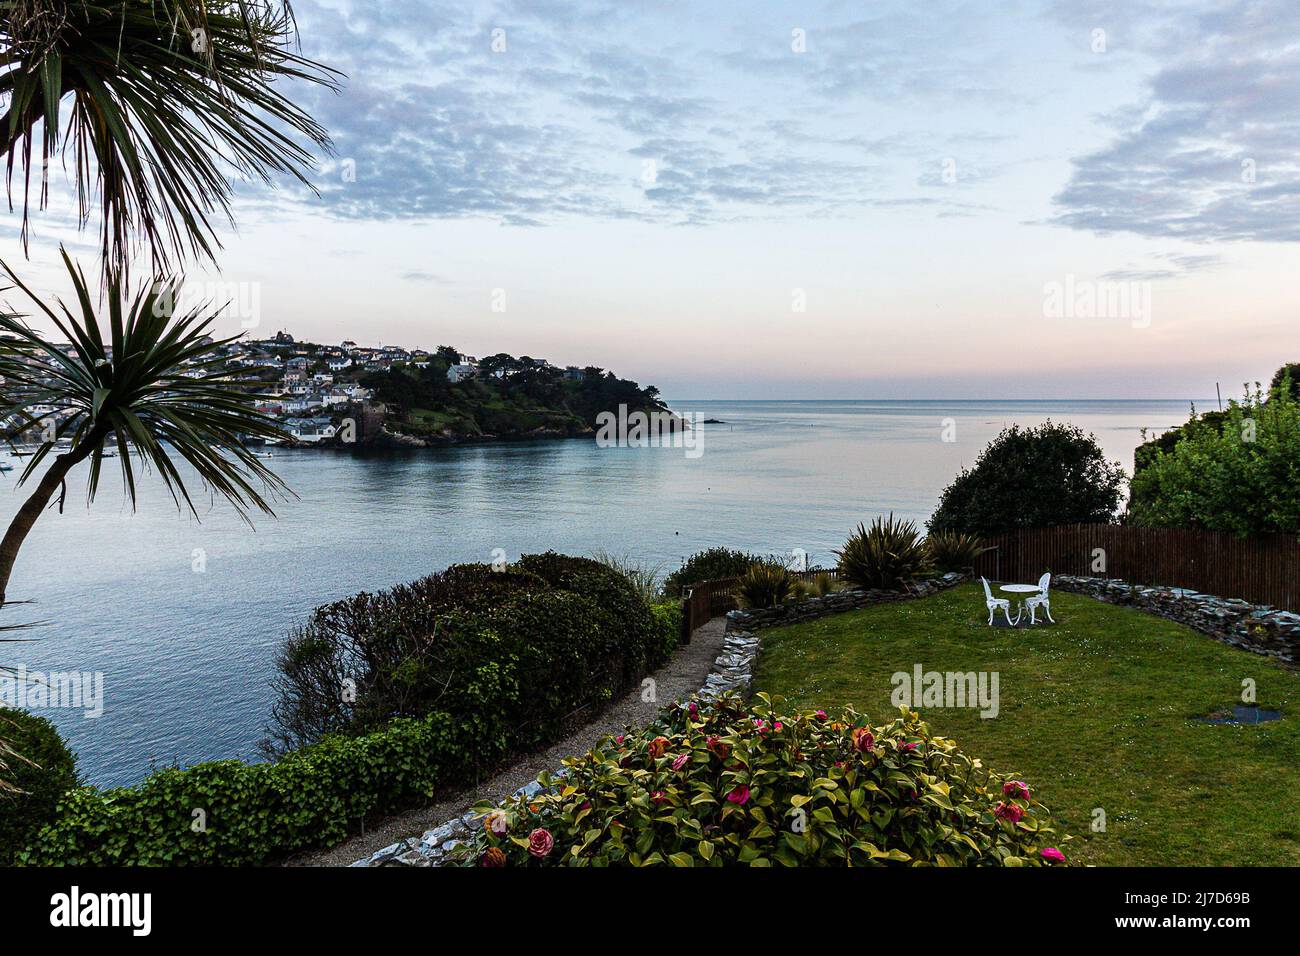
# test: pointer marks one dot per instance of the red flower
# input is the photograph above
(819, 714)
(540, 842)
(717, 747)
(1016, 789)
(658, 796)
(739, 796)
(1009, 811)
(493, 856)
(694, 709)
(658, 747)
(863, 740)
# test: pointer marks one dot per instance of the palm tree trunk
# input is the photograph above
(32, 508)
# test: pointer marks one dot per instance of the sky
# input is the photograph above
(1075, 199)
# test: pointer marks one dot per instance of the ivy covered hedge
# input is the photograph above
(386, 699)
(724, 783)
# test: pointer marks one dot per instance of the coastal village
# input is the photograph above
(311, 388)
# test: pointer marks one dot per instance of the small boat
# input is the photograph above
(262, 454)
(5, 466)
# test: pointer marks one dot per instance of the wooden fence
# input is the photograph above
(705, 600)
(1262, 569)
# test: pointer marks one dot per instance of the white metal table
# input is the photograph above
(1023, 589)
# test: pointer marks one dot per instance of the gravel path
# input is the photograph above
(681, 677)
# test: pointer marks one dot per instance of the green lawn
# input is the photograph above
(1095, 712)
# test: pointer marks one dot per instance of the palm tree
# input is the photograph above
(154, 388)
(165, 96)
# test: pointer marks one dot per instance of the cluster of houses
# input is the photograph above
(305, 383)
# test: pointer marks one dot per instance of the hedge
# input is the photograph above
(230, 813)
(515, 656)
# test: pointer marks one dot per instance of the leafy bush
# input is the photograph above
(669, 622)
(720, 783)
(1286, 380)
(886, 555)
(798, 590)
(548, 636)
(1032, 478)
(764, 585)
(1238, 474)
(708, 566)
(39, 769)
(256, 813)
(953, 551)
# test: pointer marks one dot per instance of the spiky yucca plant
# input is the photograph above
(765, 584)
(154, 388)
(953, 550)
(154, 102)
(887, 555)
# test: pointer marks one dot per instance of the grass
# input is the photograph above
(1096, 712)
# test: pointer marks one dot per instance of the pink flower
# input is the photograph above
(658, 797)
(819, 714)
(863, 740)
(1053, 854)
(904, 746)
(540, 842)
(1009, 811)
(777, 726)
(694, 709)
(680, 761)
(497, 822)
(1016, 789)
(739, 796)
(619, 739)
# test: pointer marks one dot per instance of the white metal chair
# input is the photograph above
(1041, 599)
(994, 604)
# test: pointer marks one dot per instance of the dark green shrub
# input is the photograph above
(953, 551)
(720, 784)
(40, 769)
(1032, 478)
(764, 584)
(669, 622)
(423, 646)
(452, 674)
(255, 813)
(708, 566)
(886, 555)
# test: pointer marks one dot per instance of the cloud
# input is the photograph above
(1210, 153)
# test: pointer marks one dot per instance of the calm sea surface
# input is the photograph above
(187, 656)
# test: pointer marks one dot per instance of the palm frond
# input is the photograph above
(151, 389)
(164, 97)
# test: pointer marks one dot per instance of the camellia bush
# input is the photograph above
(725, 783)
